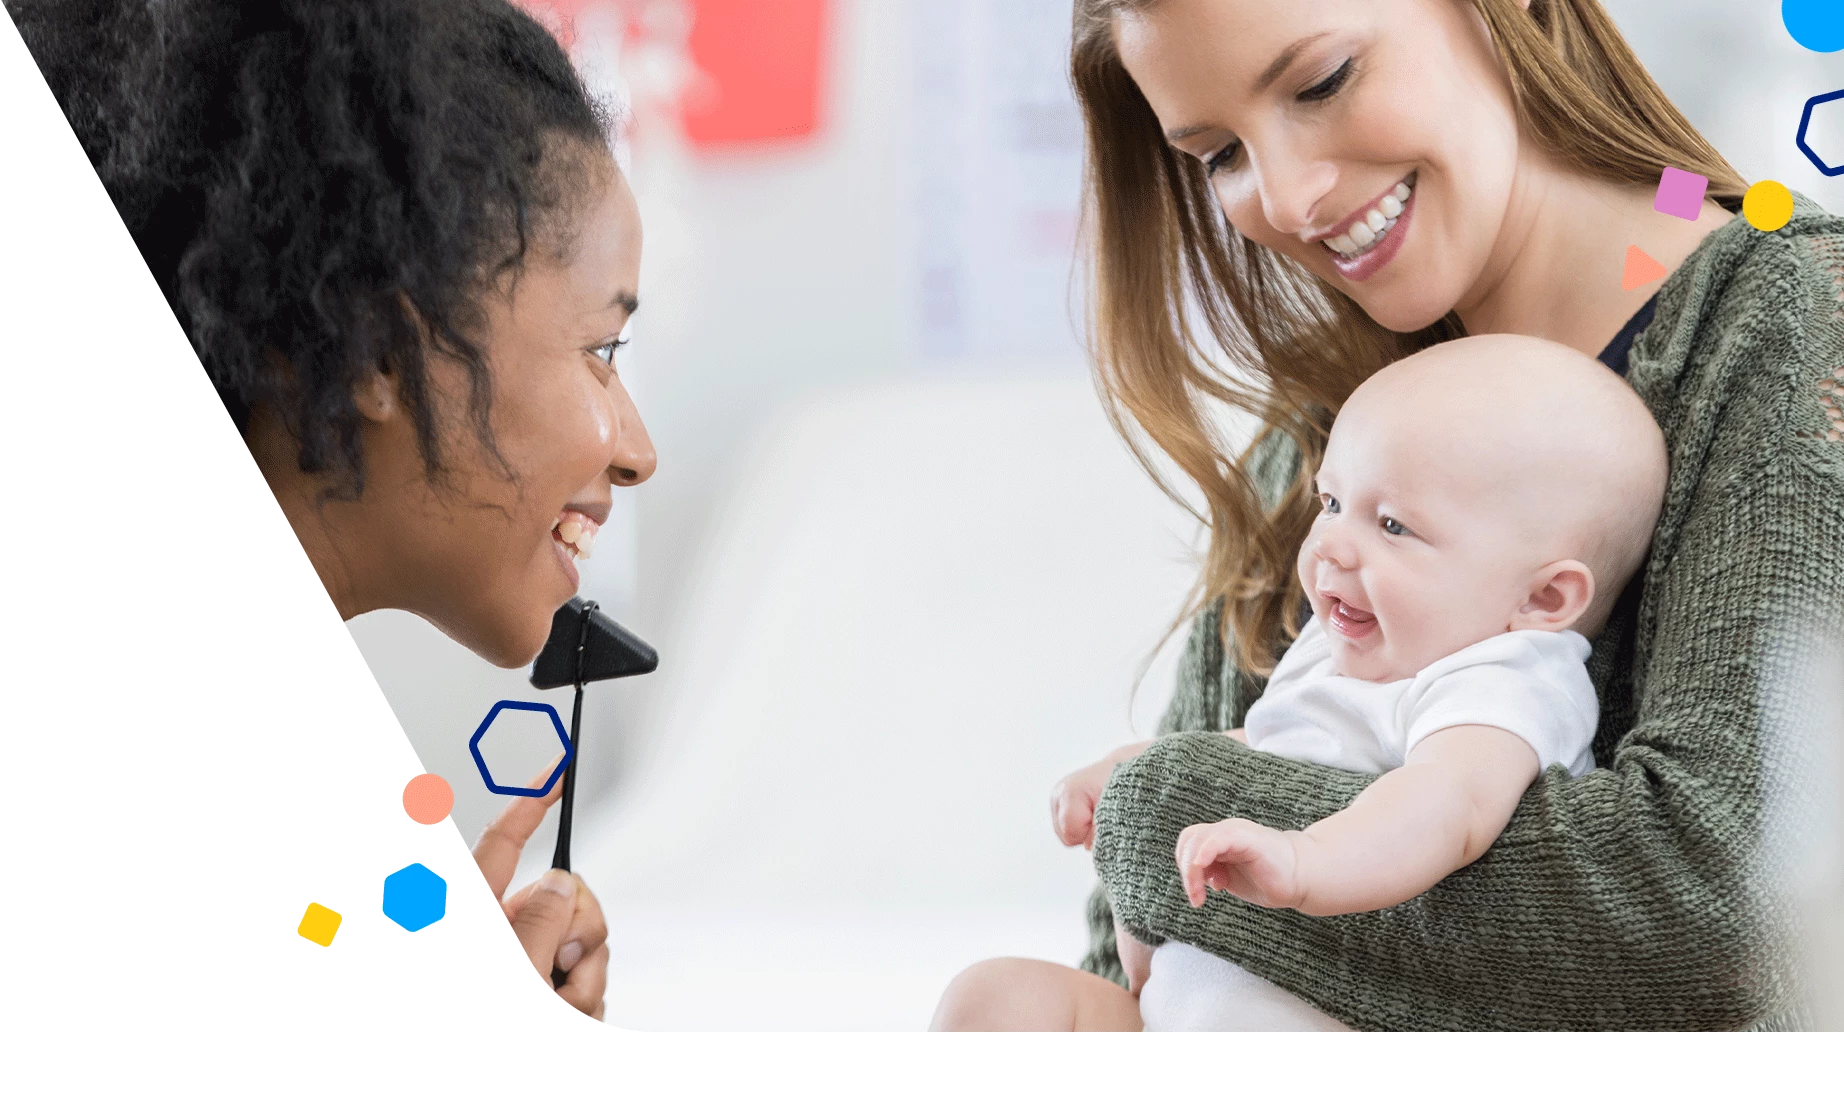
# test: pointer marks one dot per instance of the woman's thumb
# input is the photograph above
(545, 916)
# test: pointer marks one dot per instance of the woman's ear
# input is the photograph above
(1559, 595)
(376, 397)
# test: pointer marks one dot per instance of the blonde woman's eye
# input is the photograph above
(1394, 528)
(1223, 159)
(1327, 89)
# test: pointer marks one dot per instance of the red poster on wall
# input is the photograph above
(764, 60)
(760, 64)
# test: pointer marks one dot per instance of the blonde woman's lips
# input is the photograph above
(1370, 237)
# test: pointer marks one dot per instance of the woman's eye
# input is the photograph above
(606, 352)
(1393, 527)
(1223, 159)
(1330, 86)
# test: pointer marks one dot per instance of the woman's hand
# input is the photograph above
(1072, 801)
(556, 917)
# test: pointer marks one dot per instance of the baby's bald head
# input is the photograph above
(1532, 434)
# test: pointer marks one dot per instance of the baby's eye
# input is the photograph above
(1393, 527)
(1330, 503)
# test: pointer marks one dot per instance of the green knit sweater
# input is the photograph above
(1630, 897)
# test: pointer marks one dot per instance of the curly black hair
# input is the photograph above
(325, 188)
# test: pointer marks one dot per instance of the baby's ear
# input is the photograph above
(1560, 594)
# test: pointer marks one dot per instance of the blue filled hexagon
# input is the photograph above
(480, 762)
(414, 897)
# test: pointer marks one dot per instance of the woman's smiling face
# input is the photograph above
(1373, 141)
(487, 552)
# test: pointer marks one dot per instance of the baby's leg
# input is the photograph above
(1018, 994)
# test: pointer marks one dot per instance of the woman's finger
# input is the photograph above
(587, 983)
(498, 848)
(588, 930)
(544, 918)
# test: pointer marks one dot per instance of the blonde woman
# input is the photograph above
(1284, 196)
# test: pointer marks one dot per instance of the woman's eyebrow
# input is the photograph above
(1268, 77)
(1286, 58)
(626, 300)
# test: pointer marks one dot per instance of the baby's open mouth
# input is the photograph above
(1349, 620)
(1370, 228)
(576, 532)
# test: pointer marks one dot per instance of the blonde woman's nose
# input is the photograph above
(1291, 189)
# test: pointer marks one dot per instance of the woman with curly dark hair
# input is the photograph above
(395, 236)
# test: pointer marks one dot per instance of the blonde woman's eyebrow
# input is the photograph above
(1286, 58)
(1268, 77)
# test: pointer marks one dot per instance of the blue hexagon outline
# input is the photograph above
(569, 751)
(415, 873)
(1805, 121)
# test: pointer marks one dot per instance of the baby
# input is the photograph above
(1482, 504)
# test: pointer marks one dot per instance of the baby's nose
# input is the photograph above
(1329, 550)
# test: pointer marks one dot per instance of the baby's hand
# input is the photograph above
(1073, 799)
(1243, 858)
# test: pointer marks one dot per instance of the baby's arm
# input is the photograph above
(1408, 829)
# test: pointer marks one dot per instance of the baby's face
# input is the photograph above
(1408, 560)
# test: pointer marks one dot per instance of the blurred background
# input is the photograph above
(900, 572)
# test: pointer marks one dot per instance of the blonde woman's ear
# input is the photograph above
(1560, 594)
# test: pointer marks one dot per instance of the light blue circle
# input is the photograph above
(1815, 24)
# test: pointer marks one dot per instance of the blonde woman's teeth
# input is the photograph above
(1374, 224)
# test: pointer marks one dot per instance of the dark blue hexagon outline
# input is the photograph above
(473, 746)
(1805, 121)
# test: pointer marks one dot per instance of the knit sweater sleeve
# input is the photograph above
(1630, 897)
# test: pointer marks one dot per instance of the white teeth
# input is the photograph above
(1374, 224)
(585, 544)
(570, 531)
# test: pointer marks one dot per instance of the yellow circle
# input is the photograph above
(1768, 205)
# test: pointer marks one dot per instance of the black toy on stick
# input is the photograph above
(585, 646)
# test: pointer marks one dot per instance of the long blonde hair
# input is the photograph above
(1169, 274)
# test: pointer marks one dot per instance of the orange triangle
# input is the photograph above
(1641, 269)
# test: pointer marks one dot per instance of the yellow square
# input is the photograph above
(319, 924)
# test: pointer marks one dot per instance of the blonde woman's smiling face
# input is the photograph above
(1372, 141)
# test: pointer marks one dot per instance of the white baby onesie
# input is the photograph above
(1530, 683)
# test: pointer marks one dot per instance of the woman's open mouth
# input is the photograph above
(575, 531)
(1348, 621)
(1372, 236)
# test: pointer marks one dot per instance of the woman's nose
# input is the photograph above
(1291, 186)
(634, 460)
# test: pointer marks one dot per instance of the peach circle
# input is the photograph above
(428, 798)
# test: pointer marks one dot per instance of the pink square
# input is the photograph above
(1680, 193)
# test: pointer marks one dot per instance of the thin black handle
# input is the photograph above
(566, 804)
